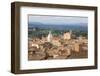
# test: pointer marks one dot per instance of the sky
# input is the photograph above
(57, 19)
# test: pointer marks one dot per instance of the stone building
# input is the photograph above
(67, 35)
(76, 47)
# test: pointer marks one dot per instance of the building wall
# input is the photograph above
(67, 36)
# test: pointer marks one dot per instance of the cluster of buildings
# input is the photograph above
(56, 47)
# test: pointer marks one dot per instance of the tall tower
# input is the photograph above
(49, 37)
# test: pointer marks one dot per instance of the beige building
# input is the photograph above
(56, 42)
(67, 35)
(77, 47)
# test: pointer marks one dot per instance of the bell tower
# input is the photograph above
(49, 37)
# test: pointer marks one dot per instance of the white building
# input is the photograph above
(49, 37)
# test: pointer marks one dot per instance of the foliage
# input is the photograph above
(44, 32)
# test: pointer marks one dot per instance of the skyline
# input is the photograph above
(57, 19)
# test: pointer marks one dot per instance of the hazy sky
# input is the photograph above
(57, 19)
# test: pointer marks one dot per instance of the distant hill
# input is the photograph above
(77, 26)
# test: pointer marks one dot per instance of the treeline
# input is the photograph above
(44, 32)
